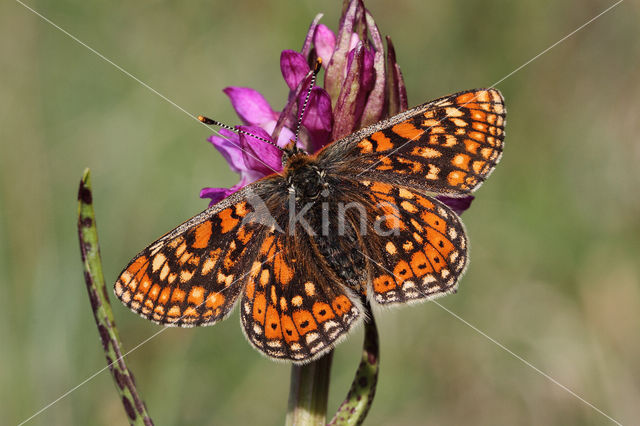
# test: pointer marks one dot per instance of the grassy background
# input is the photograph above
(555, 233)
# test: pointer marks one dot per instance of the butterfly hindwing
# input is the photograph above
(447, 146)
(291, 309)
(420, 250)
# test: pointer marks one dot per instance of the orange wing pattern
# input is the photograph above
(424, 251)
(447, 146)
(290, 308)
(194, 274)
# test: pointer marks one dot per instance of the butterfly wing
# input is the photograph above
(194, 274)
(293, 307)
(417, 247)
(418, 250)
(447, 146)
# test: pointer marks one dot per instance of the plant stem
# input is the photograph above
(88, 234)
(356, 405)
(309, 392)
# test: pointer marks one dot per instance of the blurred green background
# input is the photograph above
(555, 232)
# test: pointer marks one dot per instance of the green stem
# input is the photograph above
(356, 405)
(309, 392)
(88, 234)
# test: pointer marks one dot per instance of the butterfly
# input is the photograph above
(303, 251)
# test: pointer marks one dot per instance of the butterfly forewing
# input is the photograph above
(194, 274)
(447, 146)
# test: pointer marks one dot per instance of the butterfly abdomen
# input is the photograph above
(343, 253)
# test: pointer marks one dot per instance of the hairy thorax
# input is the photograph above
(305, 179)
(318, 201)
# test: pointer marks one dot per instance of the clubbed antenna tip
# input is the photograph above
(211, 122)
(207, 120)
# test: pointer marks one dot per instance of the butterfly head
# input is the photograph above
(290, 151)
(303, 175)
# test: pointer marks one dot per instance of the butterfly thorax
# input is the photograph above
(304, 178)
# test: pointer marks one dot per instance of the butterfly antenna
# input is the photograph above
(316, 70)
(211, 122)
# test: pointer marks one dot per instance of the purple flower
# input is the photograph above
(459, 204)
(248, 156)
(362, 85)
